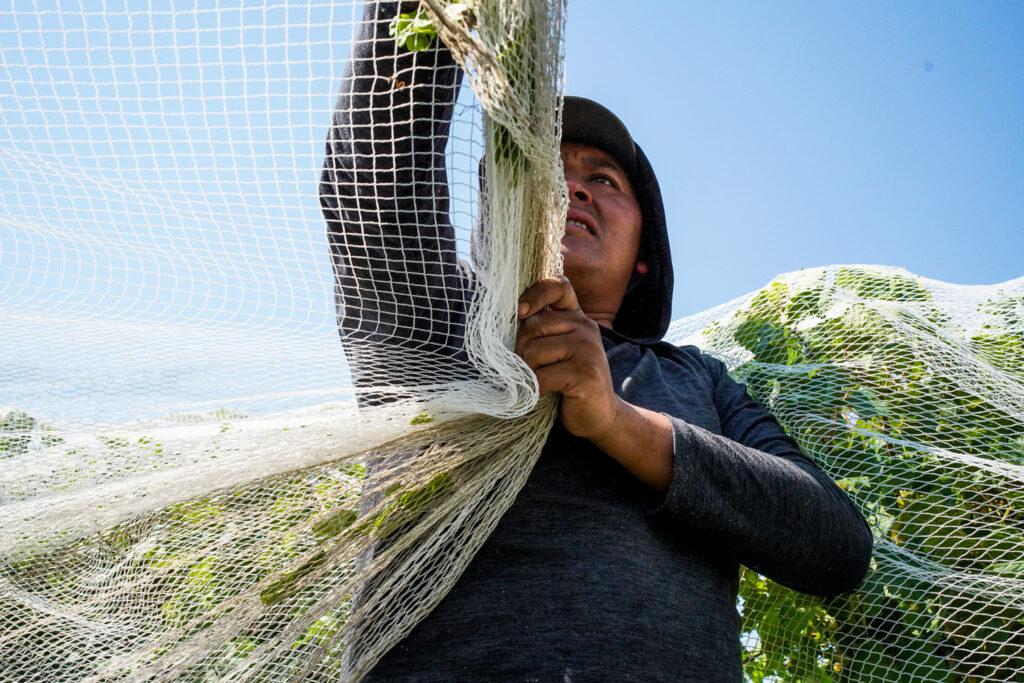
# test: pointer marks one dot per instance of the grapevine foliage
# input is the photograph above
(860, 395)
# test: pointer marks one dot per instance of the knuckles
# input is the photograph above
(556, 283)
(547, 290)
(550, 322)
(578, 349)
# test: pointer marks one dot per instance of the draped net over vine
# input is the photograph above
(188, 489)
(910, 393)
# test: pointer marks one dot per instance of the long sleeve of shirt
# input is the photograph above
(400, 289)
(752, 489)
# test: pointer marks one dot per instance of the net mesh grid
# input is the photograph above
(908, 392)
(187, 487)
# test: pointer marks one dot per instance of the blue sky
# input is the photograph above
(788, 135)
(159, 169)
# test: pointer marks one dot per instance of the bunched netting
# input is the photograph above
(198, 481)
(189, 489)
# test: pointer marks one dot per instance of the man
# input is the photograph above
(620, 557)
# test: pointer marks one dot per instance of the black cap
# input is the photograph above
(646, 310)
(587, 122)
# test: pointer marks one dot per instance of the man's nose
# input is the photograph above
(577, 190)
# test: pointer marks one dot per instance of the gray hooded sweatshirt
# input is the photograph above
(589, 576)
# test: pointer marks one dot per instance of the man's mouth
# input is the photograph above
(579, 226)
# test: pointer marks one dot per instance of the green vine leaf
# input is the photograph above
(413, 30)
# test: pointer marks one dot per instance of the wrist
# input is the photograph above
(641, 441)
(618, 415)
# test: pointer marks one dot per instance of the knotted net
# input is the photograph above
(199, 481)
(198, 478)
(909, 392)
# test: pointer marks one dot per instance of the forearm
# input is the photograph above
(384, 163)
(384, 194)
(777, 513)
(386, 143)
(641, 441)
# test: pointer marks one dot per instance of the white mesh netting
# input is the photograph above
(910, 393)
(187, 487)
(183, 444)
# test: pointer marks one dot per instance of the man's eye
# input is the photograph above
(605, 180)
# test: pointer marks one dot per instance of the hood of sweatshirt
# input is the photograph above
(646, 310)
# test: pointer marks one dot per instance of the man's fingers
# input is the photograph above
(553, 292)
(556, 378)
(544, 324)
(542, 351)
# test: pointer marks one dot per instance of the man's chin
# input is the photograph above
(576, 246)
(568, 253)
(575, 259)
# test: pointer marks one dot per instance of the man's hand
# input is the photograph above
(563, 347)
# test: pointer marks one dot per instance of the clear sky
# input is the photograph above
(159, 168)
(787, 135)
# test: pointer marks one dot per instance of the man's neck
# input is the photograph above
(602, 319)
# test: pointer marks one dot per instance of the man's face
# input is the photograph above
(602, 232)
